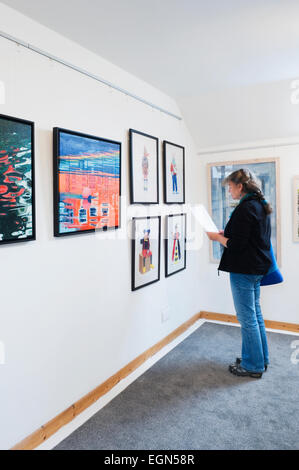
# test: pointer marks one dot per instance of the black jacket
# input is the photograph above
(249, 232)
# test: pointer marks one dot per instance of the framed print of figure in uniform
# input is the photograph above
(144, 168)
(174, 173)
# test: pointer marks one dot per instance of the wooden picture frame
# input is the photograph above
(17, 180)
(296, 208)
(267, 171)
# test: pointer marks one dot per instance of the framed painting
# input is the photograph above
(87, 183)
(221, 204)
(17, 185)
(145, 251)
(175, 244)
(296, 208)
(144, 168)
(174, 173)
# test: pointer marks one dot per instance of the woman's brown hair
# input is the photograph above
(250, 185)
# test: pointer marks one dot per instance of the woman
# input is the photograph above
(246, 256)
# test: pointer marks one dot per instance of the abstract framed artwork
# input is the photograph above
(175, 244)
(87, 183)
(296, 208)
(145, 251)
(144, 168)
(17, 185)
(221, 204)
(174, 173)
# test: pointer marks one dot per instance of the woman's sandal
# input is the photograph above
(236, 369)
(238, 361)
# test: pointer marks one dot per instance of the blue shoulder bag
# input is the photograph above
(273, 276)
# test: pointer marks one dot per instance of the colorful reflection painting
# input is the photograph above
(17, 210)
(86, 183)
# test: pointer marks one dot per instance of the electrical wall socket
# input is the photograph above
(165, 314)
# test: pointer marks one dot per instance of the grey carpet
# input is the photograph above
(189, 400)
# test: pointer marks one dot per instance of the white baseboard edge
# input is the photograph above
(273, 330)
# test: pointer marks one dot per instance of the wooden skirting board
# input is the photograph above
(50, 428)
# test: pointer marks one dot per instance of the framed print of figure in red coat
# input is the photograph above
(175, 244)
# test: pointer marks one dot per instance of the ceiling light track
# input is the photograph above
(88, 74)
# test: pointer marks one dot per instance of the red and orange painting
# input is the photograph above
(88, 183)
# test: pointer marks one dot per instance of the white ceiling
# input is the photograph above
(185, 48)
(181, 45)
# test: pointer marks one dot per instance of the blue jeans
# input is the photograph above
(246, 294)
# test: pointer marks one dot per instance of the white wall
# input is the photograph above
(68, 317)
(279, 302)
(242, 114)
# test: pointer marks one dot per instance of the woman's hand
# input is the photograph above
(218, 237)
(214, 236)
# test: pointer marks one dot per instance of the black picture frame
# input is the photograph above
(166, 183)
(168, 217)
(5, 158)
(135, 287)
(57, 131)
(133, 181)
